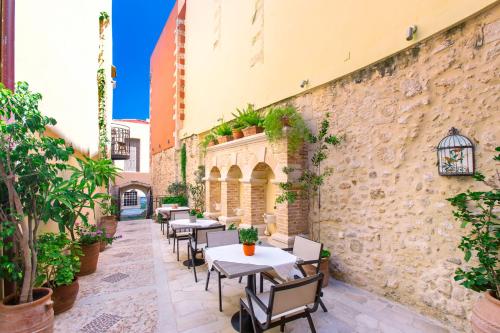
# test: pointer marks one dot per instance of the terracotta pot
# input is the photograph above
(225, 138)
(88, 261)
(212, 143)
(486, 314)
(285, 121)
(110, 223)
(249, 249)
(252, 130)
(36, 316)
(102, 246)
(237, 134)
(64, 296)
(323, 268)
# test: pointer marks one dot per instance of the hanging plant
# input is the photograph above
(277, 119)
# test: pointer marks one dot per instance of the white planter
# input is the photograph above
(192, 218)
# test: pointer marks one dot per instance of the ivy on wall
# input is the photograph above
(101, 88)
(183, 163)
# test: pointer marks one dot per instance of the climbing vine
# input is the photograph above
(101, 88)
(183, 163)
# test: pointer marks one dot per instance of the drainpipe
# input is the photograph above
(7, 56)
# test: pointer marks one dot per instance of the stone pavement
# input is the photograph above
(140, 287)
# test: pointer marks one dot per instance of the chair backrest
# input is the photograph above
(200, 234)
(179, 215)
(167, 205)
(221, 238)
(307, 249)
(291, 295)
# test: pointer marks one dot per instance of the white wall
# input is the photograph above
(56, 50)
(137, 131)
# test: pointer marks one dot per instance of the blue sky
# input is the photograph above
(136, 28)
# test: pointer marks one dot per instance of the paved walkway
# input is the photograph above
(140, 287)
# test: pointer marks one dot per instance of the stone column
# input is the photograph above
(253, 203)
(213, 196)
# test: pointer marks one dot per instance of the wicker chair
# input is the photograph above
(309, 253)
(197, 241)
(283, 303)
(220, 238)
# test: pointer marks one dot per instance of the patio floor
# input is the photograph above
(140, 287)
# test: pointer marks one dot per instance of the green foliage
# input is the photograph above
(325, 253)
(102, 122)
(476, 210)
(88, 234)
(30, 166)
(223, 130)
(249, 117)
(72, 195)
(197, 190)
(249, 236)
(296, 133)
(58, 260)
(183, 164)
(232, 226)
(237, 124)
(103, 16)
(180, 200)
(210, 137)
(108, 207)
(177, 189)
(193, 212)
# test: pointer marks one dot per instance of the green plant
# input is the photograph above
(79, 192)
(325, 253)
(207, 139)
(249, 117)
(88, 234)
(58, 260)
(223, 130)
(193, 212)
(180, 200)
(275, 121)
(197, 190)
(30, 163)
(237, 124)
(249, 236)
(105, 238)
(476, 210)
(177, 189)
(108, 207)
(308, 185)
(232, 226)
(183, 165)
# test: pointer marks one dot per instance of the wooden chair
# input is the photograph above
(308, 252)
(197, 241)
(220, 238)
(285, 302)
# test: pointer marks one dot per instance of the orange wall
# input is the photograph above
(162, 67)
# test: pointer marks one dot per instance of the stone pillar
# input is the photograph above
(213, 197)
(253, 204)
(230, 197)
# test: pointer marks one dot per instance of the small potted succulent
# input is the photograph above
(224, 133)
(249, 237)
(89, 238)
(250, 119)
(56, 269)
(193, 214)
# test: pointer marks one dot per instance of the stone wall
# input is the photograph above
(384, 211)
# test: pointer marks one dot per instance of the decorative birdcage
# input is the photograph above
(120, 142)
(455, 155)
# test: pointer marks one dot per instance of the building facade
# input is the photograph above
(392, 95)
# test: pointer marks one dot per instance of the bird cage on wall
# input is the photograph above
(455, 155)
(120, 142)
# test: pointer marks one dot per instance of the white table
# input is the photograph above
(187, 224)
(165, 211)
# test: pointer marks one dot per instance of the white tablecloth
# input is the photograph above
(167, 210)
(281, 261)
(185, 223)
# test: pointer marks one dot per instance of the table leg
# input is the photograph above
(246, 320)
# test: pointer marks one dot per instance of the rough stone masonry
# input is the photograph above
(384, 211)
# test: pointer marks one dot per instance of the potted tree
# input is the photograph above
(286, 122)
(58, 263)
(224, 133)
(251, 120)
(249, 237)
(476, 211)
(109, 218)
(30, 163)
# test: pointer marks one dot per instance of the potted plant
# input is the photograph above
(286, 122)
(237, 127)
(251, 120)
(249, 237)
(109, 219)
(209, 140)
(476, 211)
(323, 267)
(30, 163)
(89, 238)
(192, 215)
(224, 133)
(57, 265)
(106, 240)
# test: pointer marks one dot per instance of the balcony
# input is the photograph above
(120, 142)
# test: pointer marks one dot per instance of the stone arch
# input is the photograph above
(213, 192)
(135, 186)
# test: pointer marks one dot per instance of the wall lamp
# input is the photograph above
(410, 33)
(304, 83)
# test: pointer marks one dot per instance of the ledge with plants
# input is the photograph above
(249, 120)
(286, 122)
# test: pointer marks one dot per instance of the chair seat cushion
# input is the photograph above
(262, 316)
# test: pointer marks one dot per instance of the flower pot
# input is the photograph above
(36, 316)
(285, 121)
(225, 138)
(237, 134)
(323, 268)
(192, 218)
(64, 296)
(486, 314)
(102, 246)
(110, 223)
(212, 143)
(89, 258)
(252, 130)
(249, 249)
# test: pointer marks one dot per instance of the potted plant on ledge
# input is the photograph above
(58, 263)
(237, 127)
(251, 119)
(476, 210)
(249, 237)
(224, 133)
(286, 122)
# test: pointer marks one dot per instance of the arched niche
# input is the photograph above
(214, 190)
(263, 175)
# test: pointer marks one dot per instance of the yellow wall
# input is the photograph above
(318, 40)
